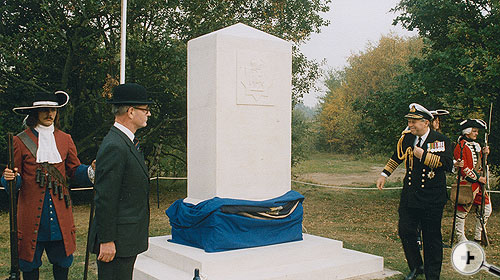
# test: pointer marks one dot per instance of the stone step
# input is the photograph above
(149, 269)
(184, 257)
(313, 258)
(344, 265)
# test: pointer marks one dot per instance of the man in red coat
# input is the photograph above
(471, 154)
(44, 157)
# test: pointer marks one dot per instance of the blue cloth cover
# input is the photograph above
(205, 226)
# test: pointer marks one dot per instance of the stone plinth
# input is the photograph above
(239, 115)
(312, 258)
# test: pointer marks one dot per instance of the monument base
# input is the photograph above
(312, 258)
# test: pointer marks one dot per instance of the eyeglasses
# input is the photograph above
(145, 110)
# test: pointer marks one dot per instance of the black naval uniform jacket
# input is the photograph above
(424, 184)
(121, 196)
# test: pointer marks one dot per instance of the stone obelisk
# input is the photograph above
(239, 115)
(239, 146)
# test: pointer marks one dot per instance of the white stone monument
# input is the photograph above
(239, 146)
(239, 115)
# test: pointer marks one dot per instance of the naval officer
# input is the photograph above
(427, 155)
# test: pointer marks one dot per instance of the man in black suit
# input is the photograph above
(427, 155)
(120, 228)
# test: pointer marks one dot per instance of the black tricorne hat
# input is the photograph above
(474, 123)
(129, 93)
(418, 112)
(44, 100)
(439, 112)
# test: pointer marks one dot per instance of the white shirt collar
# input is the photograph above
(125, 130)
(424, 137)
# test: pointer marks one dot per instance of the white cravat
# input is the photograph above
(47, 149)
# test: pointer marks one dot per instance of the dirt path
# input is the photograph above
(362, 179)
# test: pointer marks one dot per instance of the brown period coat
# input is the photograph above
(31, 195)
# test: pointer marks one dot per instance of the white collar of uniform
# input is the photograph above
(424, 137)
(125, 130)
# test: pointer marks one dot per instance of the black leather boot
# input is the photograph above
(31, 275)
(59, 272)
(414, 273)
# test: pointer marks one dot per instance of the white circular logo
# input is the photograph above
(467, 257)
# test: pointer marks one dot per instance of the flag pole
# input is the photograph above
(123, 41)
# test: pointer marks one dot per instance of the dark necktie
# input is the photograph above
(419, 143)
(136, 144)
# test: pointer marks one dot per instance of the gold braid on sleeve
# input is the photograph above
(432, 160)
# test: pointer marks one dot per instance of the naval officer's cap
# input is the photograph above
(418, 112)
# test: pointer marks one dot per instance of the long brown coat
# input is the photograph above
(31, 195)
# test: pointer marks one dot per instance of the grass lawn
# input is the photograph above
(363, 220)
(367, 220)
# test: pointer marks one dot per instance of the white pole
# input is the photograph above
(123, 41)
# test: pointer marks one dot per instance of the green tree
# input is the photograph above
(460, 66)
(74, 46)
(304, 132)
(348, 119)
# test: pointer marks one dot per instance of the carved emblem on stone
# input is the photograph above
(253, 78)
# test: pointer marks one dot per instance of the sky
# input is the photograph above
(353, 24)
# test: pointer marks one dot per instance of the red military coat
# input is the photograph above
(472, 157)
(31, 195)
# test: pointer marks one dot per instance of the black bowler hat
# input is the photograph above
(474, 123)
(44, 100)
(129, 93)
(418, 112)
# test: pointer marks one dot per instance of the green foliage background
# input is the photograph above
(74, 46)
(457, 69)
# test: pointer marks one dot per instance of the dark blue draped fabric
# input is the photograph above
(205, 226)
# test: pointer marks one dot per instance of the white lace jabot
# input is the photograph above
(47, 149)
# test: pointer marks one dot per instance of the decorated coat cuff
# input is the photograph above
(432, 160)
(471, 175)
(91, 174)
(5, 183)
(390, 167)
(82, 177)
